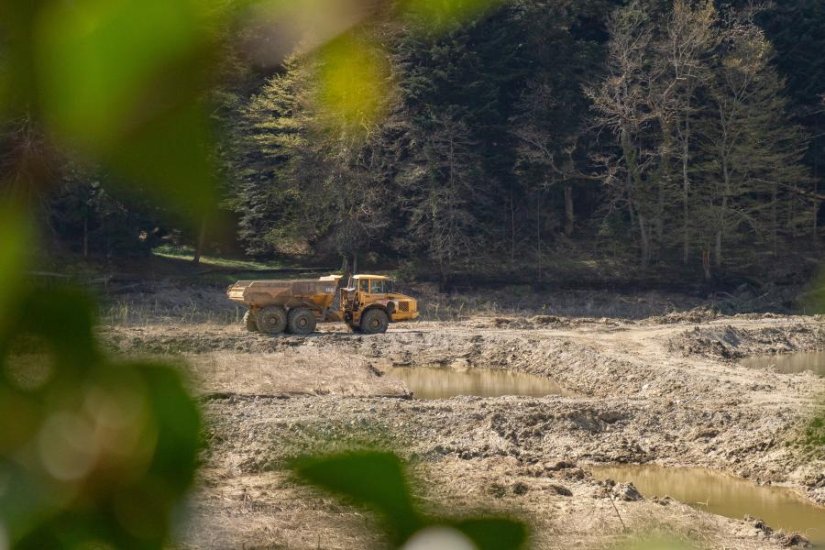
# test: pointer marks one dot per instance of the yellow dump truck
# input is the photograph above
(367, 303)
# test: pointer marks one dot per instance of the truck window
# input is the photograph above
(364, 285)
(377, 286)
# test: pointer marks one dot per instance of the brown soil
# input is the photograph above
(662, 390)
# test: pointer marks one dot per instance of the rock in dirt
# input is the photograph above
(561, 490)
(556, 466)
(626, 492)
(793, 540)
(520, 488)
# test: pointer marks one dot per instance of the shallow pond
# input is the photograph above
(442, 383)
(724, 495)
(813, 361)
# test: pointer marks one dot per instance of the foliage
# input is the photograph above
(337, 147)
(376, 480)
(698, 120)
(423, 182)
(94, 451)
(814, 436)
(487, 147)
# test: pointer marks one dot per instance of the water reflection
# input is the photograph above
(724, 495)
(813, 361)
(442, 383)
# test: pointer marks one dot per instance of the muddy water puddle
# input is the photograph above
(813, 361)
(443, 383)
(724, 495)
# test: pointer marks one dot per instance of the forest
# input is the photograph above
(540, 141)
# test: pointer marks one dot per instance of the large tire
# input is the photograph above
(374, 321)
(249, 321)
(271, 320)
(301, 321)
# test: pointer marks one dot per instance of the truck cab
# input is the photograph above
(370, 303)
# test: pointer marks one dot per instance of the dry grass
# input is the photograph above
(520, 301)
(292, 372)
(167, 303)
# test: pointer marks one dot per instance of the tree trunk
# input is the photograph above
(644, 234)
(774, 220)
(706, 264)
(196, 260)
(660, 216)
(662, 182)
(634, 181)
(569, 213)
(512, 231)
(538, 234)
(815, 233)
(86, 235)
(724, 210)
(686, 196)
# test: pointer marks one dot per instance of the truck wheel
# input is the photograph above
(249, 321)
(271, 320)
(374, 321)
(301, 321)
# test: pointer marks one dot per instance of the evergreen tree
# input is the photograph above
(551, 110)
(441, 196)
(271, 128)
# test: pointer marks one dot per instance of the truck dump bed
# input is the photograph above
(311, 292)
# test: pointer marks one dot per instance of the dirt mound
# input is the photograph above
(696, 315)
(729, 342)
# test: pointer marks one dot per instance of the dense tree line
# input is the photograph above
(706, 155)
(675, 135)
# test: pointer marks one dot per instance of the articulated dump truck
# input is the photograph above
(368, 304)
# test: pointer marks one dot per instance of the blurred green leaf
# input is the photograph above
(124, 81)
(372, 479)
(110, 66)
(63, 318)
(170, 155)
(377, 480)
(178, 426)
(17, 238)
(92, 453)
(494, 533)
(354, 82)
(17, 67)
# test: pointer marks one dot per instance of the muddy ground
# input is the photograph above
(664, 390)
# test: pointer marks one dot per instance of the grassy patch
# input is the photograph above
(299, 439)
(187, 253)
(814, 436)
(810, 440)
